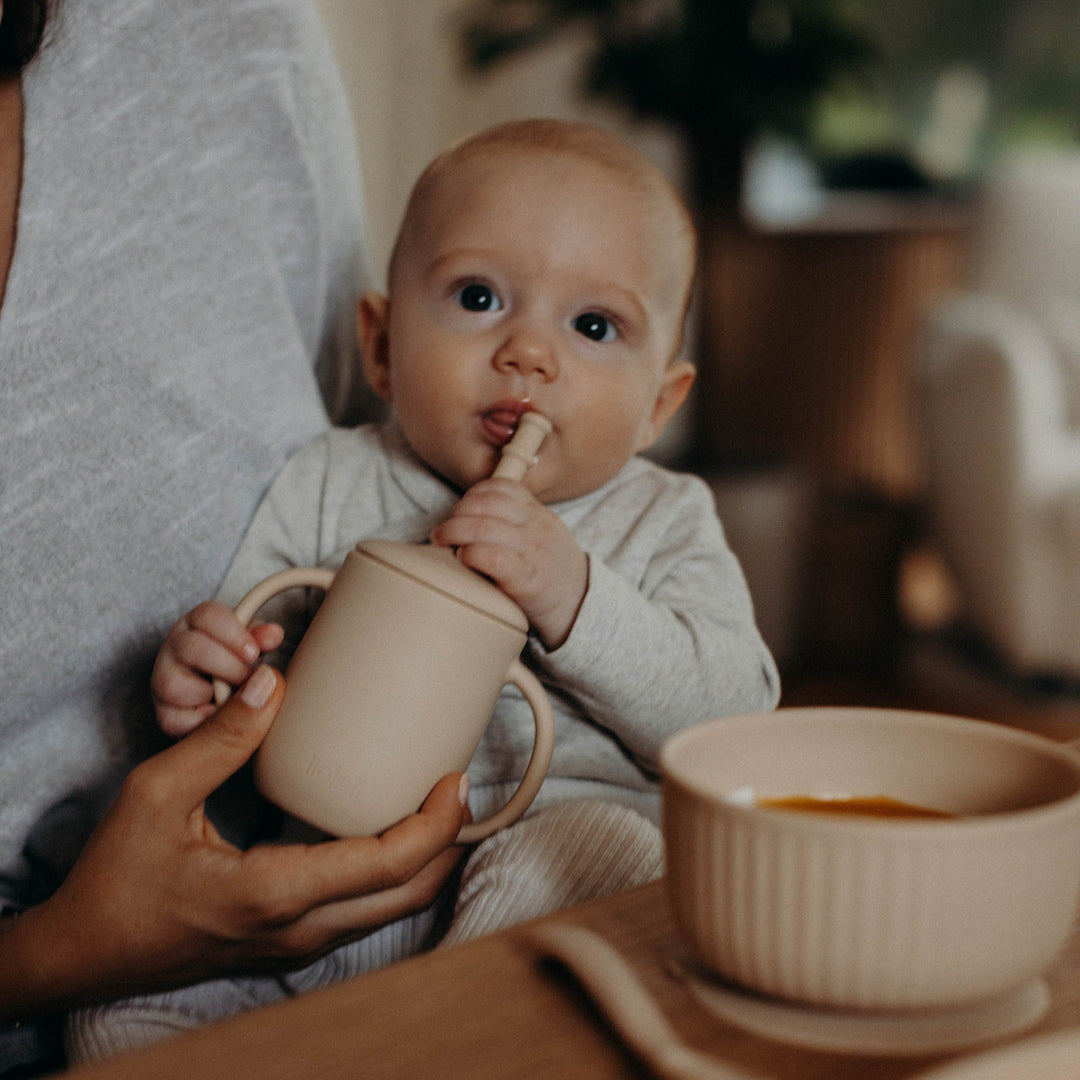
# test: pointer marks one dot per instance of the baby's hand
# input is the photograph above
(502, 530)
(208, 643)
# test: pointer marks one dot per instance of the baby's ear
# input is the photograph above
(678, 378)
(373, 327)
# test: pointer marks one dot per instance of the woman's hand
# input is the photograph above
(503, 531)
(157, 899)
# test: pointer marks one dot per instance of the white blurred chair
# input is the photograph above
(999, 400)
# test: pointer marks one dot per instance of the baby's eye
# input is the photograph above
(595, 327)
(478, 297)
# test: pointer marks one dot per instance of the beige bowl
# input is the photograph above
(858, 912)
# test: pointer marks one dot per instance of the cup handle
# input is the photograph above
(543, 744)
(293, 578)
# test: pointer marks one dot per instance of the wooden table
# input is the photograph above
(492, 1010)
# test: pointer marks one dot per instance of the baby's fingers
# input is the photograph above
(268, 636)
(212, 641)
(183, 698)
(177, 721)
(498, 499)
(218, 623)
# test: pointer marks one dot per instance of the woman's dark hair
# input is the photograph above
(22, 29)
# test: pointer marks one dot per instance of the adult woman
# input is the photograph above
(179, 253)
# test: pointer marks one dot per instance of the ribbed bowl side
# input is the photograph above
(796, 916)
(856, 919)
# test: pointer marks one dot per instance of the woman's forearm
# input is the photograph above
(35, 973)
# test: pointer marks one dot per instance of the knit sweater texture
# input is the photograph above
(188, 253)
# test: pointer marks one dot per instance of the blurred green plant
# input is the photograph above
(835, 76)
(1016, 62)
(718, 72)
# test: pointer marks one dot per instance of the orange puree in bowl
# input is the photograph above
(866, 805)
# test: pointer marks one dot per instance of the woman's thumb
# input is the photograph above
(202, 762)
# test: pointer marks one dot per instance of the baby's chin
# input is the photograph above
(564, 486)
(548, 488)
(462, 475)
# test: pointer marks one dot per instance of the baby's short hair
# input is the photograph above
(587, 142)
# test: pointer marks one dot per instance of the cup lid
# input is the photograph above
(439, 568)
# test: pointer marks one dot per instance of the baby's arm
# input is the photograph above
(503, 531)
(208, 643)
(665, 636)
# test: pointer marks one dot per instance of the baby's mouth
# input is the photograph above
(501, 420)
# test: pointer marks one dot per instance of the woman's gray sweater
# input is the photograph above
(187, 252)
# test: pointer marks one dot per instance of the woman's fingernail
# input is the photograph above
(463, 789)
(258, 688)
(250, 652)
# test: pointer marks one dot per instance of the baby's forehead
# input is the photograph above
(492, 166)
(467, 177)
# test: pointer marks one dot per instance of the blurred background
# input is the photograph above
(887, 329)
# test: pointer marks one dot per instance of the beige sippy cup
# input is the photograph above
(395, 680)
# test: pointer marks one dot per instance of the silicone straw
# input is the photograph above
(520, 452)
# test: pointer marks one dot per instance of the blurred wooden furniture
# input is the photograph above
(805, 366)
(807, 336)
(492, 1010)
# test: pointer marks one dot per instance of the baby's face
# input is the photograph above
(539, 282)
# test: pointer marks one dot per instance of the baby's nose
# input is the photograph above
(527, 352)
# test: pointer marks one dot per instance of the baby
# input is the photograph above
(540, 265)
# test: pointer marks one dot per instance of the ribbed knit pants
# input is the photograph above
(555, 858)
